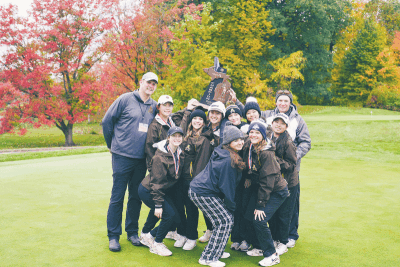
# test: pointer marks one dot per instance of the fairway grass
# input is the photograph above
(53, 210)
(53, 213)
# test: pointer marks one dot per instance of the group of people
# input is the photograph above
(243, 176)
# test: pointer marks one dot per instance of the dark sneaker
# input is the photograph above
(114, 245)
(134, 239)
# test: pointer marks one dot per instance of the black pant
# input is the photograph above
(169, 216)
(238, 231)
(190, 220)
(127, 172)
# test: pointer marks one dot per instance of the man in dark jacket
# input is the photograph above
(125, 128)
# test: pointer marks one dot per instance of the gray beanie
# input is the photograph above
(231, 133)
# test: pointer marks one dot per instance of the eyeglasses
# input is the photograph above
(283, 92)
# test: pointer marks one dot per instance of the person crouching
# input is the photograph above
(165, 169)
(213, 192)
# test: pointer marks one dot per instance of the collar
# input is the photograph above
(163, 122)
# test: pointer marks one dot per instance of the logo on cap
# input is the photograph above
(232, 110)
(256, 127)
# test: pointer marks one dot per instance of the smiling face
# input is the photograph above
(175, 139)
(197, 123)
(283, 103)
(215, 117)
(237, 144)
(255, 137)
(279, 126)
(252, 115)
(165, 109)
(148, 87)
(234, 118)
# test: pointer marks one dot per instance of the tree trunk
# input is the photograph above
(68, 135)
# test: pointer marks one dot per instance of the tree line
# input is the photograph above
(72, 58)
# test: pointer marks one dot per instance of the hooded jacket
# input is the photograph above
(157, 132)
(163, 174)
(297, 130)
(285, 153)
(197, 149)
(121, 124)
(218, 178)
(264, 171)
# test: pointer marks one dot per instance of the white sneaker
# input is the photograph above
(206, 236)
(189, 245)
(271, 260)
(281, 248)
(244, 246)
(255, 252)
(172, 235)
(225, 255)
(146, 239)
(276, 243)
(160, 249)
(235, 246)
(212, 263)
(291, 243)
(180, 241)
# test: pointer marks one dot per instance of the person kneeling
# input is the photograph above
(165, 170)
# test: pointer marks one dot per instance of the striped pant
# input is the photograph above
(222, 221)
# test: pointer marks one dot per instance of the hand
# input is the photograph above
(233, 95)
(247, 183)
(192, 103)
(260, 214)
(158, 212)
(110, 150)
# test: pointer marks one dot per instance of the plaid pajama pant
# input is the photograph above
(222, 221)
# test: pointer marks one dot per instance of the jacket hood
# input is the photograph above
(162, 122)
(161, 146)
(270, 145)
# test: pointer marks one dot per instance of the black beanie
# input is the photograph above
(198, 113)
(251, 105)
(232, 109)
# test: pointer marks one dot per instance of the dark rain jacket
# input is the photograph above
(162, 176)
(264, 172)
(218, 179)
(285, 153)
(197, 149)
(157, 132)
(297, 130)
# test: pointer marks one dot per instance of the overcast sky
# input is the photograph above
(23, 5)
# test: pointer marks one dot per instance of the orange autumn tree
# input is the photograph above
(387, 93)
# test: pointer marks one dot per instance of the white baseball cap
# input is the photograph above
(283, 117)
(218, 106)
(150, 76)
(165, 99)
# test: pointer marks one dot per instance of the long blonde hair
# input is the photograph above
(191, 132)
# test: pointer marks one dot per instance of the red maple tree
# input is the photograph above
(140, 40)
(46, 73)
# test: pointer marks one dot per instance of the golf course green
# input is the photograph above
(53, 210)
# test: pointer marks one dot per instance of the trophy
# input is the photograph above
(218, 89)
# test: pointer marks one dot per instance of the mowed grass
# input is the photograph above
(53, 211)
(84, 134)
